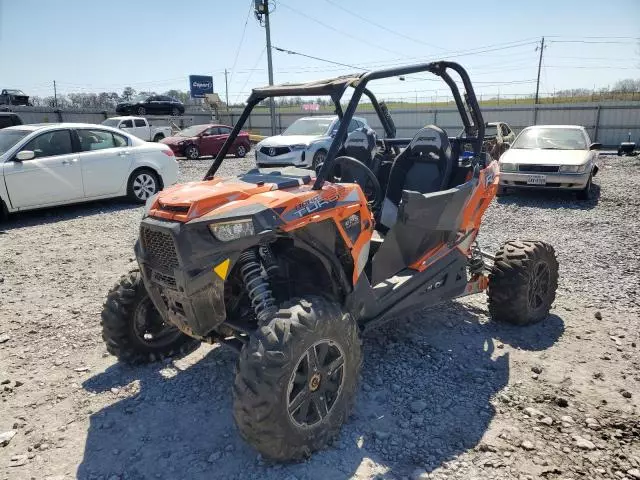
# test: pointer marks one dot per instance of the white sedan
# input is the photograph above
(559, 157)
(54, 164)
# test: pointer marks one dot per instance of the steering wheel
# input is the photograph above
(370, 185)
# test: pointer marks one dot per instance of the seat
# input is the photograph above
(361, 145)
(425, 166)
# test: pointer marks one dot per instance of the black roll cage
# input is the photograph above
(335, 88)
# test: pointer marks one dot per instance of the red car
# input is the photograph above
(201, 140)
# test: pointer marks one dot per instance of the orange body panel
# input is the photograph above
(188, 201)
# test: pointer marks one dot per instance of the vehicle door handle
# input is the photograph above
(123, 154)
(69, 162)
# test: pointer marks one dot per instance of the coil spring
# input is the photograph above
(262, 300)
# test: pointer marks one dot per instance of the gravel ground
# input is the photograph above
(445, 394)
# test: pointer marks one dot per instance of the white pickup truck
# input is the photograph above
(139, 127)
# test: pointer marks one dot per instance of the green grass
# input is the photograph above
(489, 102)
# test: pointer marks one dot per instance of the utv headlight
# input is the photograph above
(225, 232)
(298, 147)
(508, 167)
(572, 168)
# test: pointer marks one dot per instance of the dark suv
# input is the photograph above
(9, 119)
(151, 105)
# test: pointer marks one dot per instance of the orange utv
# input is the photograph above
(289, 266)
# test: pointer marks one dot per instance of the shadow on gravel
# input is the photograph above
(426, 393)
(549, 199)
(63, 213)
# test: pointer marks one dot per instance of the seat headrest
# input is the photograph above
(430, 139)
(362, 137)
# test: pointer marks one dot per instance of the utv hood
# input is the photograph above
(190, 201)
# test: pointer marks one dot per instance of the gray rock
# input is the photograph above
(626, 394)
(567, 419)
(533, 412)
(536, 369)
(5, 437)
(583, 443)
(418, 406)
(527, 445)
(4, 338)
(214, 457)
(18, 460)
(419, 474)
(598, 315)
(546, 421)
(634, 473)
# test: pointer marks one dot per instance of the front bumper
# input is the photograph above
(560, 181)
(296, 158)
(177, 261)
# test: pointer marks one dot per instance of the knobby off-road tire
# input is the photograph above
(523, 282)
(126, 307)
(275, 374)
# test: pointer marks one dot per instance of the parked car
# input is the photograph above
(11, 96)
(151, 105)
(496, 137)
(139, 127)
(54, 164)
(9, 119)
(201, 140)
(559, 157)
(304, 143)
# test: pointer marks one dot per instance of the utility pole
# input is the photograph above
(539, 68)
(272, 106)
(226, 88)
(55, 95)
(262, 8)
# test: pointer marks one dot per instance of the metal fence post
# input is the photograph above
(595, 132)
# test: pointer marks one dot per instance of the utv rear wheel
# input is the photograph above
(296, 379)
(132, 328)
(523, 282)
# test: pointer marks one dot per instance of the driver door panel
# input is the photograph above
(425, 222)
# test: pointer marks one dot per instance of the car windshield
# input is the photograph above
(139, 98)
(192, 131)
(110, 122)
(551, 139)
(8, 138)
(309, 126)
(491, 131)
(15, 92)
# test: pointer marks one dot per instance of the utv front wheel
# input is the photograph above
(296, 379)
(523, 282)
(132, 328)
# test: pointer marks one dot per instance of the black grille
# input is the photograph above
(174, 208)
(275, 151)
(160, 248)
(539, 168)
(164, 279)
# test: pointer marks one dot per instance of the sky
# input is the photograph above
(93, 46)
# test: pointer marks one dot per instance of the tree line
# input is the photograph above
(108, 100)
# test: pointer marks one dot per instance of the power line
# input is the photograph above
(341, 32)
(244, 30)
(291, 52)
(361, 18)
(249, 77)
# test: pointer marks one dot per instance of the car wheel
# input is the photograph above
(241, 151)
(192, 152)
(319, 158)
(142, 185)
(175, 111)
(158, 137)
(587, 192)
(141, 111)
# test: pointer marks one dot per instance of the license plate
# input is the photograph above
(536, 180)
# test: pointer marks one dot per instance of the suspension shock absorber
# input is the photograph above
(258, 288)
(268, 260)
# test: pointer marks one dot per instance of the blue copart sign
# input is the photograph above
(200, 85)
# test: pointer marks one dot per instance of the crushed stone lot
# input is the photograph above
(444, 394)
